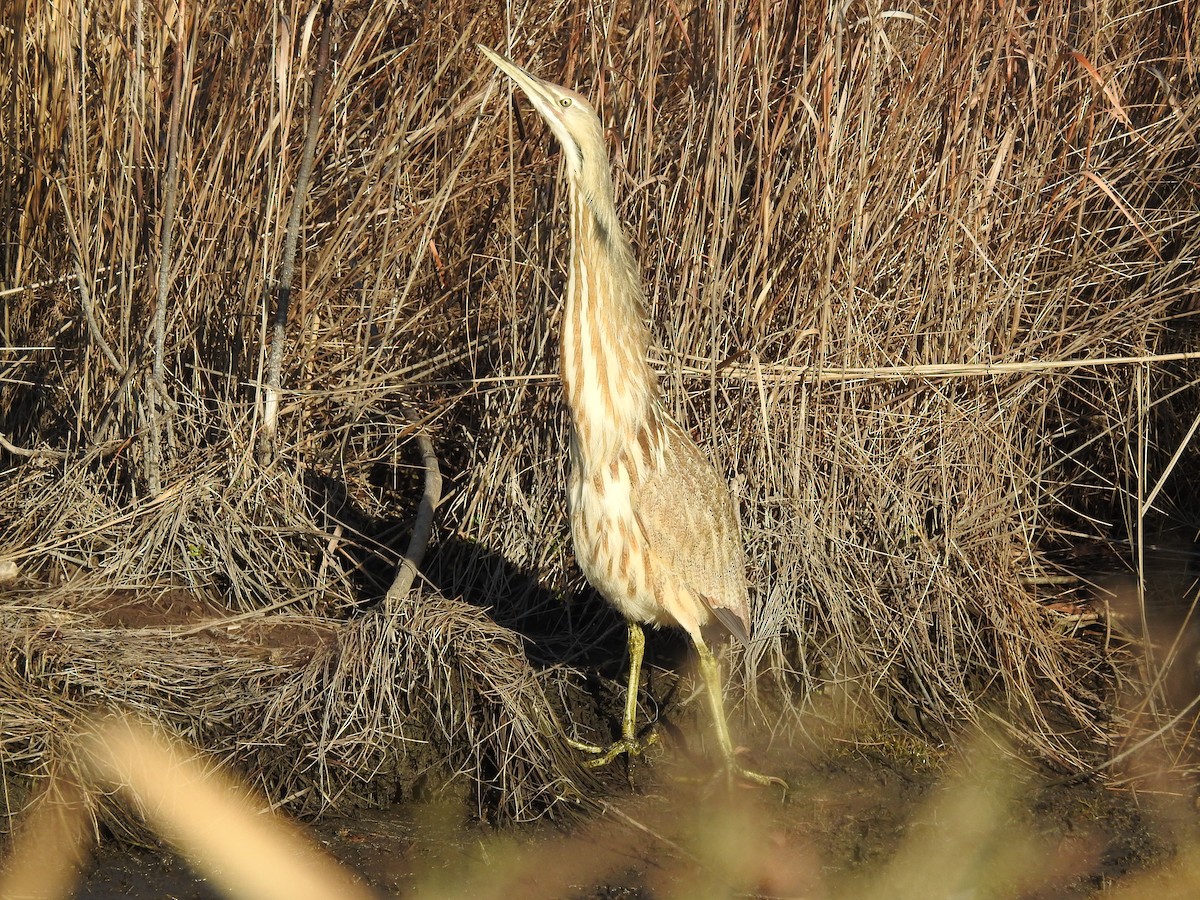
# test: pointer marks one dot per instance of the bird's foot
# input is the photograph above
(731, 774)
(628, 745)
(735, 773)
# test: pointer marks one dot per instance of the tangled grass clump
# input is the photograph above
(924, 282)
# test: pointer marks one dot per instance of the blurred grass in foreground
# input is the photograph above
(963, 839)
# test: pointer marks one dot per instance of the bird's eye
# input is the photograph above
(565, 102)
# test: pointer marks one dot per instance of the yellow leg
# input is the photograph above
(628, 743)
(711, 670)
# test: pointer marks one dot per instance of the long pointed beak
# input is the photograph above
(531, 85)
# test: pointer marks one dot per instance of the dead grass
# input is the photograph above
(923, 279)
(322, 712)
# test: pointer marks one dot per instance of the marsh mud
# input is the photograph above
(855, 824)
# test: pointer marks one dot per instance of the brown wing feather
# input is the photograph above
(686, 513)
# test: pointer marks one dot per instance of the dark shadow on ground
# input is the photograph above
(573, 628)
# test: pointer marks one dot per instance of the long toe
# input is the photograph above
(629, 746)
(735, 773)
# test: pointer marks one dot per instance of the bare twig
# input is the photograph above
(85, 299)
(422, 529)
(291, 239)
(21, 451)
(158, 378)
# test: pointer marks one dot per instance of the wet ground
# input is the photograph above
(879, 823)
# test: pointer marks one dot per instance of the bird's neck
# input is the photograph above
(610, 387)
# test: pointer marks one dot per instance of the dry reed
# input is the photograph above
(921, 277)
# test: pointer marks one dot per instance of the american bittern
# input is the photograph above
(654, 528)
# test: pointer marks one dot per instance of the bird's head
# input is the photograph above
(569, 115)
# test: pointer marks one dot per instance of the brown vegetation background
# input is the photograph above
(922, 281)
